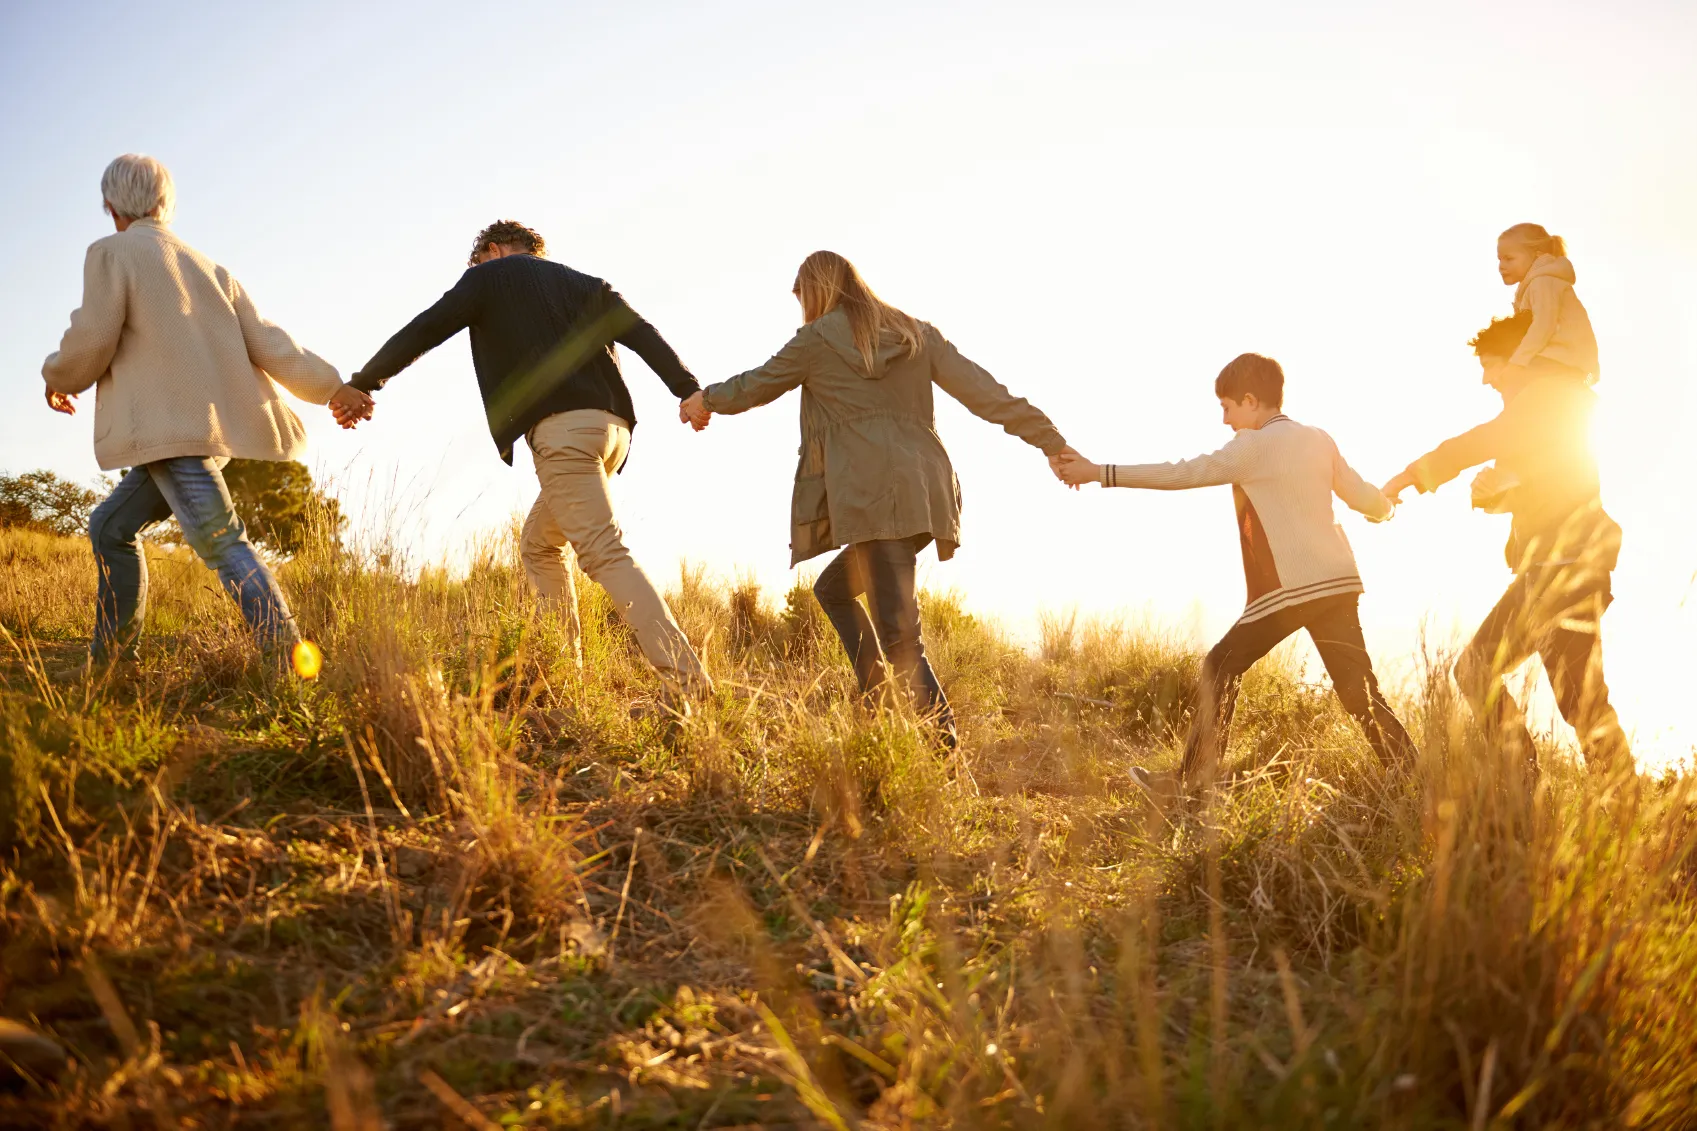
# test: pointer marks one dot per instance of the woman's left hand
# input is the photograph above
(1073, 469)
(62, 402)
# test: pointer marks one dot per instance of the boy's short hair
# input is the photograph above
(1503, 336)
(1251, 373)
(508, 233)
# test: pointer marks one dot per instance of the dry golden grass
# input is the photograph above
(454, 880)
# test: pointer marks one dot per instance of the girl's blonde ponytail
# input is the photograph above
(1535, 237)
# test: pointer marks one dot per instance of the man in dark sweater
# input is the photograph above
(542, 338)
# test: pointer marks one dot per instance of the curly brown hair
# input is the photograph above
(1503, 336)
(511, 233)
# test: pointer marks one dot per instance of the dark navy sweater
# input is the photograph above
(542, 340)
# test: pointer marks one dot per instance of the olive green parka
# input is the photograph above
(871, 464)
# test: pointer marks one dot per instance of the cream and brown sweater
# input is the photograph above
(1283, 476)
(181, 362)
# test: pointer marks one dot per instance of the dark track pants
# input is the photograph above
(1334, 624)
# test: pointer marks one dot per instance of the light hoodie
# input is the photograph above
(1560, 330)
(181, 362)
(1283, 476)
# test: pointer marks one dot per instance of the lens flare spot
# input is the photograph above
(308, 660)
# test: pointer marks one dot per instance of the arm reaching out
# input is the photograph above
(446, 317)
(1228, 465)
(1358, 494)
(988, 399)
(645, 341)
(786, 370)
(1450, 458)
(274, 349)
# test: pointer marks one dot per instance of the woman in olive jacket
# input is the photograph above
(873, 476)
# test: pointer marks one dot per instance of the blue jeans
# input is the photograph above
(192, 489)
(883, 572)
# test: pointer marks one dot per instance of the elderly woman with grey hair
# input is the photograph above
(185, 373)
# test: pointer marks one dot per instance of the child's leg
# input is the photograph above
(1334, 623)
(1216, 694)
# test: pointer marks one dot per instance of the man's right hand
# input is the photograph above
(62, 402)
(350, 406)
(1393, 489)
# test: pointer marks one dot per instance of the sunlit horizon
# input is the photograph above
(1100, 205)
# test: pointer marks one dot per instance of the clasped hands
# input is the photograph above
(1073, 469)
(350, 406)
(693, 411)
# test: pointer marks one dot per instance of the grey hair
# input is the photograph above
(137, 187)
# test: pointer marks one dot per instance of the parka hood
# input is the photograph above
(1555, 266)
(835, 330)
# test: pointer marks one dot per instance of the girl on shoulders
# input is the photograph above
(1560, 341)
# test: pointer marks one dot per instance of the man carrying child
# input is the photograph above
(1562, 545)
(1299, 566)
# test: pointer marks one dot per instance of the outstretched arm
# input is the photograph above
(1228, 465)
(446, 317)
(85, 352)
(642, 339)
(274, 350)
(1450, 458)
(988, 399)
(1358, 494)
(786, 370)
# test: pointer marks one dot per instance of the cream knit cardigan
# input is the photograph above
(182, 363)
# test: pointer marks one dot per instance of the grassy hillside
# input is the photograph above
(453, 880)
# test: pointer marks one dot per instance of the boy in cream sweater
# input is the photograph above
(1301, 573)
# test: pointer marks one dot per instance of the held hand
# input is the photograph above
(1394, 488)
(693, 411)
(350, 406)
(1073, 469)
(62, 402)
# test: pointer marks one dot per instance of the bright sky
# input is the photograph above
(1101, 204)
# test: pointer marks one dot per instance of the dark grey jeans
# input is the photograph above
(883, 572)
(193, 490)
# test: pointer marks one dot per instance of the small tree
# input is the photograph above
(280, 504)
(40, 500)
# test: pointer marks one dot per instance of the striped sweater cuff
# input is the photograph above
(1110, 476)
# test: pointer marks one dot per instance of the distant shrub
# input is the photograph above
(41, 500)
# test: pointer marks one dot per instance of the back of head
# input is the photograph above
(1252, 373)
(509, 234)
(1536, 239)
(138, 187)
(827, 281)
(1499, 340)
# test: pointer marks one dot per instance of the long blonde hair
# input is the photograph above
(1534, 237)
(827, 281)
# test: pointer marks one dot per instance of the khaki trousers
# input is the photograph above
(575, 453)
